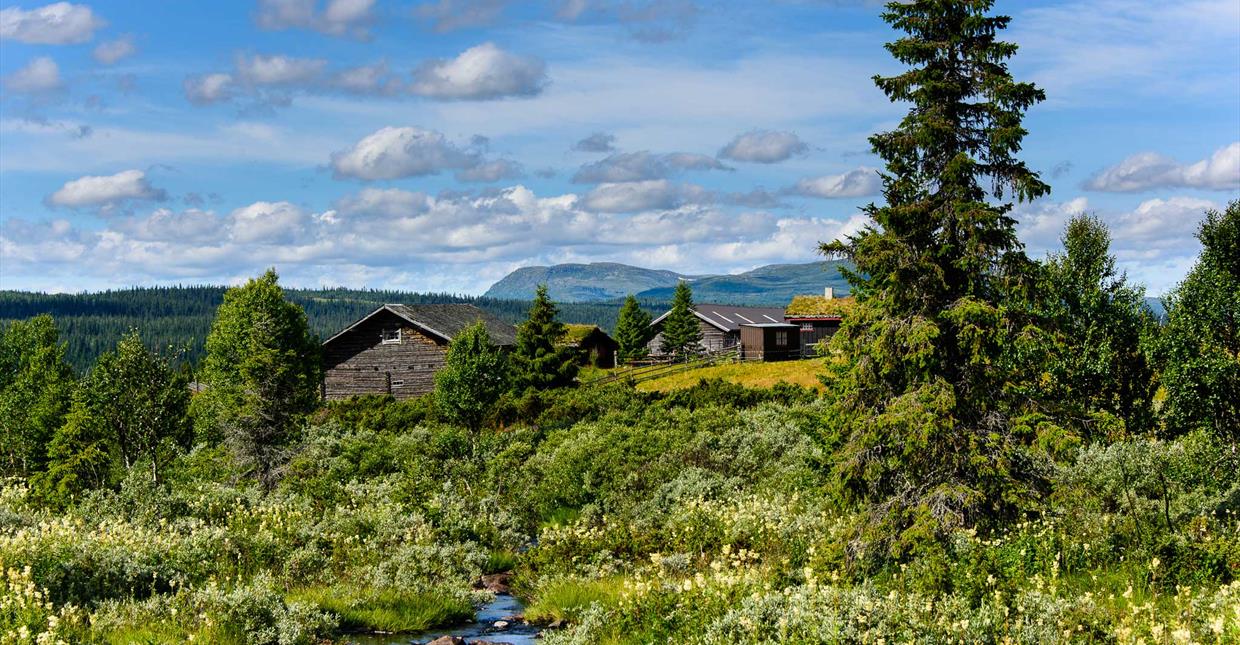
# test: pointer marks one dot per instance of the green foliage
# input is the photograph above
(262, 374)
(681, 332)
(1199, 350)
(538, 361)
(632, 332)
(474, 376)
(388, 611)
(35, 383)
(925, 378)
(130, 411)
(1100, 322)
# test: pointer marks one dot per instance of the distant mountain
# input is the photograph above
(772, 285)
(594, 282)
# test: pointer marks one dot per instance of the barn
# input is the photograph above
(818, 318)
(720, 325)
(396, 349)
(593, 345)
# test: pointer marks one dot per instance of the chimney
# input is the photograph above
(828, 293)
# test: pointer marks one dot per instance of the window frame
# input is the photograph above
(385, 340)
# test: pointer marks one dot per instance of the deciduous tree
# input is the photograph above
(475, 375)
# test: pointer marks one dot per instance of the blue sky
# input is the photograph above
(437, 145)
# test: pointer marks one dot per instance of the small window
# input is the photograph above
(391, 335)
(398, 384)
(807, 326)
(781, 338)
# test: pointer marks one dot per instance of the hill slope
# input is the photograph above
(594, 282)
(772, 285)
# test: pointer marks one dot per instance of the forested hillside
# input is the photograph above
(179, 317)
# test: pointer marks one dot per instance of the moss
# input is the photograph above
(819, 306)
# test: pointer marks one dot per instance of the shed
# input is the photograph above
(397, 349)
(818, 317)
(720, 325)
(593, 344)
(770, 342)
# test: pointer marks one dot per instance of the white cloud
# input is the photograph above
(597, 142)
(279, 70)
(104, 191)
(165, 225)
(383, 202)
(862, 182)
(392, 153)
(366, 79)
(350, 18)
(450, 15)
(643, 165)
(1150, 170)
(764, 146)
(112, 51)
(208, 88)
(627, 197)
(480, 73)
(39, 76)
(491, 171)
(61, 23)
(268, 223)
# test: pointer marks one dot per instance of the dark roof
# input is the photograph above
(766, 325)
(444, 321)
(731, 317)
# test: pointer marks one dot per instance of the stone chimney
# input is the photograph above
(828, 293)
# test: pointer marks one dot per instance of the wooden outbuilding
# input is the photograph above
(396, 349)
(770, 342)
(818, 318)
(720, 325)
(593, 345)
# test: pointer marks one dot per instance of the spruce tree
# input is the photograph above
(681, 333)
(541, 363)
(632, 332)
(36, 385)
(925, 401)
(263, 375)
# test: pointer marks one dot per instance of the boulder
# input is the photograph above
(495, 582)
(448, 640)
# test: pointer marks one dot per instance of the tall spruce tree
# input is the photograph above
(540, 362)
(681, 333)
(632, 331)
(262, 373)
(924, 405)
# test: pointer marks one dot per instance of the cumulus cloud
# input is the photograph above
(392, 153)
(1150, 170)
(653, 194)
(366, 79)
(208, 88)
(351, 18)
(61, 23)
(481, 72)
(268, 223)
(862, 182)
(450, 15)
(39, 76)
(112, 51)
(597, 142)
(383, 202)
(166, 225)
(644, 165)
(106, 190)
(764, 146)
(491, 171)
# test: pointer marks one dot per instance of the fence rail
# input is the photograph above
(650, 370)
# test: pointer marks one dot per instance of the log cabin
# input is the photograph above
(592, 344)
(397, 349)
(818, 318)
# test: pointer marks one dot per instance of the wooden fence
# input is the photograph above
(653, 369)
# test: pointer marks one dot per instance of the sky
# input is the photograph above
(437, 145)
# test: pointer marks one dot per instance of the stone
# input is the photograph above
(500, 624)
(448, 640)
(495, 582)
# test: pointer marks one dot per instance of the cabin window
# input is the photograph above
(391, 335)
(781, 338)
(398, 384)
(807, 326)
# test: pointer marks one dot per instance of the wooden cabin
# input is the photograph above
(770, 342)
(818, 318)
(720, 325)
(397, 349)
(593, 345)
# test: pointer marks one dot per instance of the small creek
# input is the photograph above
(502, 607)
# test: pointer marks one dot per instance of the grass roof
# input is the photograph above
(575, 333)
(819, 306)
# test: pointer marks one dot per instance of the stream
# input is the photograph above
(502, 607)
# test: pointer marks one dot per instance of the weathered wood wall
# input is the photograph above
(359, 362)
(712, 338)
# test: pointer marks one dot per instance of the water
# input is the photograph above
(502, 607)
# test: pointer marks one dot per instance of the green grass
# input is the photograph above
(803, 372)
(566, 598)
(386, 611)
(500, 561)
